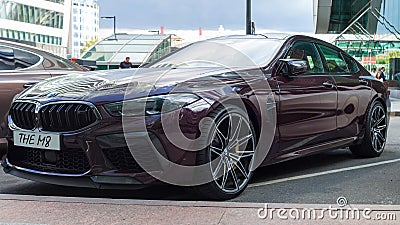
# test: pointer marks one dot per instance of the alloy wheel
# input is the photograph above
(231, 152)
(378, 128)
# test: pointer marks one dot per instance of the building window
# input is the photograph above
(29, 14)
(26, 36)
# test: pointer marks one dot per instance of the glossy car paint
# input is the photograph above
(312, 116)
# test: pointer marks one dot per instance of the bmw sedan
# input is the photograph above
(205, 116)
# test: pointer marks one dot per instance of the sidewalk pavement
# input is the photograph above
(395, 110)
(17, 209)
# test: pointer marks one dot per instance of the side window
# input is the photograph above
(52, 63)
(308, 52)
(334, 60)
(7, 61)
(25, 59)
(351, 64)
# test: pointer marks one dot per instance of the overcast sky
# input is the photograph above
(280, 15)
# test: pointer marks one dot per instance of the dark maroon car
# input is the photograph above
(205, 116)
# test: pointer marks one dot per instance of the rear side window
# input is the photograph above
(15, 59)
(7, 61)
(351, 64)
(334, 60)
(53, 63)
(25, 59)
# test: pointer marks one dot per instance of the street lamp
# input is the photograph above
(248, 17)
(115, 23)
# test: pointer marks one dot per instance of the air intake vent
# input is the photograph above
(66, 117)
(23, 115)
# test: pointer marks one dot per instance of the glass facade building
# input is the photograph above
(31, 14)
(60, 26)
(390, 10)
(369, 30)
(110, 52)
(43, 23)
(346, 16)
(84, 25)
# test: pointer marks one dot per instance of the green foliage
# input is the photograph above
(382, 60)
(89, 44)
(385, 59)
(395, 54)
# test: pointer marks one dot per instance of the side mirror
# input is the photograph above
(29, 85)
(295, 66)
(90, 68)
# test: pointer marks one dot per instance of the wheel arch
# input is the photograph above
(373, 99)
(379, 99)
(250, 108)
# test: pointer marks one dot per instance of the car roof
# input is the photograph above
(277, 36)
(39, 51)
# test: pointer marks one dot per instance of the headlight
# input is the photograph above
(151, 105)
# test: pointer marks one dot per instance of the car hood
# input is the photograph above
(114, 85)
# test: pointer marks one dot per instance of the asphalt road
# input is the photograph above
(317, 179)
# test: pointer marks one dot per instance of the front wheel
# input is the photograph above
(374, 140)
(230, 153)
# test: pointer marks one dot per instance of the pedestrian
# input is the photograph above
(126, 64)
(382, 74)
(378, 75)
(373, 71)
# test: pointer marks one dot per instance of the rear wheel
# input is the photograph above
(231, 150)
(374, 140)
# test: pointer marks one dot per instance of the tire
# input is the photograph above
(375, 135)
(231, 167)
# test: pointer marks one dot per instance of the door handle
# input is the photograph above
(328, 84)
(364, 82)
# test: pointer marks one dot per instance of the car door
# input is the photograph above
(354, 91)
(307, 103)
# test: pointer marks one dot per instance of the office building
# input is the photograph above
(62, 27)
(42, 23)
(84, 25)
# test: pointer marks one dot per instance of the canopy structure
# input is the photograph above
(141, 48)
(364, 28)
(346, 16)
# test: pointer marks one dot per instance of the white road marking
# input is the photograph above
(321, 173)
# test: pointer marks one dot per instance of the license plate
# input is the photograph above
(37, 140)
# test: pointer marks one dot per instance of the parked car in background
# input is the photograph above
(84, 130)
(21, 66)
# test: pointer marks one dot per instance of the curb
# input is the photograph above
(183, 204)
(395, 114)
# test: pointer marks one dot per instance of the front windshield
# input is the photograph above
(235, 52)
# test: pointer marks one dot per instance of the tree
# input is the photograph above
(385, 59)
(89, 44)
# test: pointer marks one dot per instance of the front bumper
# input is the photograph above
(85, 181)
(102, 155)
